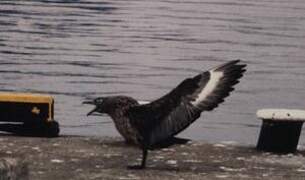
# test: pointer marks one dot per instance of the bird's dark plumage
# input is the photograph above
(151, 124)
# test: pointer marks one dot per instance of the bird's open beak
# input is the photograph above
(88, 102)
(93, 110)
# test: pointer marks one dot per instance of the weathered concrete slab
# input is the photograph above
(106, 158)
(12, 168)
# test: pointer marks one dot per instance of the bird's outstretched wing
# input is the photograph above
(172, 113)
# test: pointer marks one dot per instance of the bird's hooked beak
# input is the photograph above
(93, 110)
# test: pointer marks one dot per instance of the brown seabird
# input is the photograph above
(153, 123)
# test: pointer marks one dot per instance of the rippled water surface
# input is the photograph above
(78, 49)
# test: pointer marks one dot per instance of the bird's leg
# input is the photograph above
(144, 156)
(143, 163)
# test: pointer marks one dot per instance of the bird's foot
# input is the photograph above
(135, 167)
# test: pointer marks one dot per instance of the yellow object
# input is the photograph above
(32, 99)
(35, 110)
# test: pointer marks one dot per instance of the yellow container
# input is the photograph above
(35, 112)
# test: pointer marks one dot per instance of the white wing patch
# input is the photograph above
(143, 102)
(215, 77)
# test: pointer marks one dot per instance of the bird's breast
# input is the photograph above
(124, 127)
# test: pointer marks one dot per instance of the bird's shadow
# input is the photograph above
(181, 167)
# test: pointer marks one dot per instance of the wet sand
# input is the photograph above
(106, 158)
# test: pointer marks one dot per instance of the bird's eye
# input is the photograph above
(98, 100)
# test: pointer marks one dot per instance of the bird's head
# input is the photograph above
(99, 105)
(109, 105)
